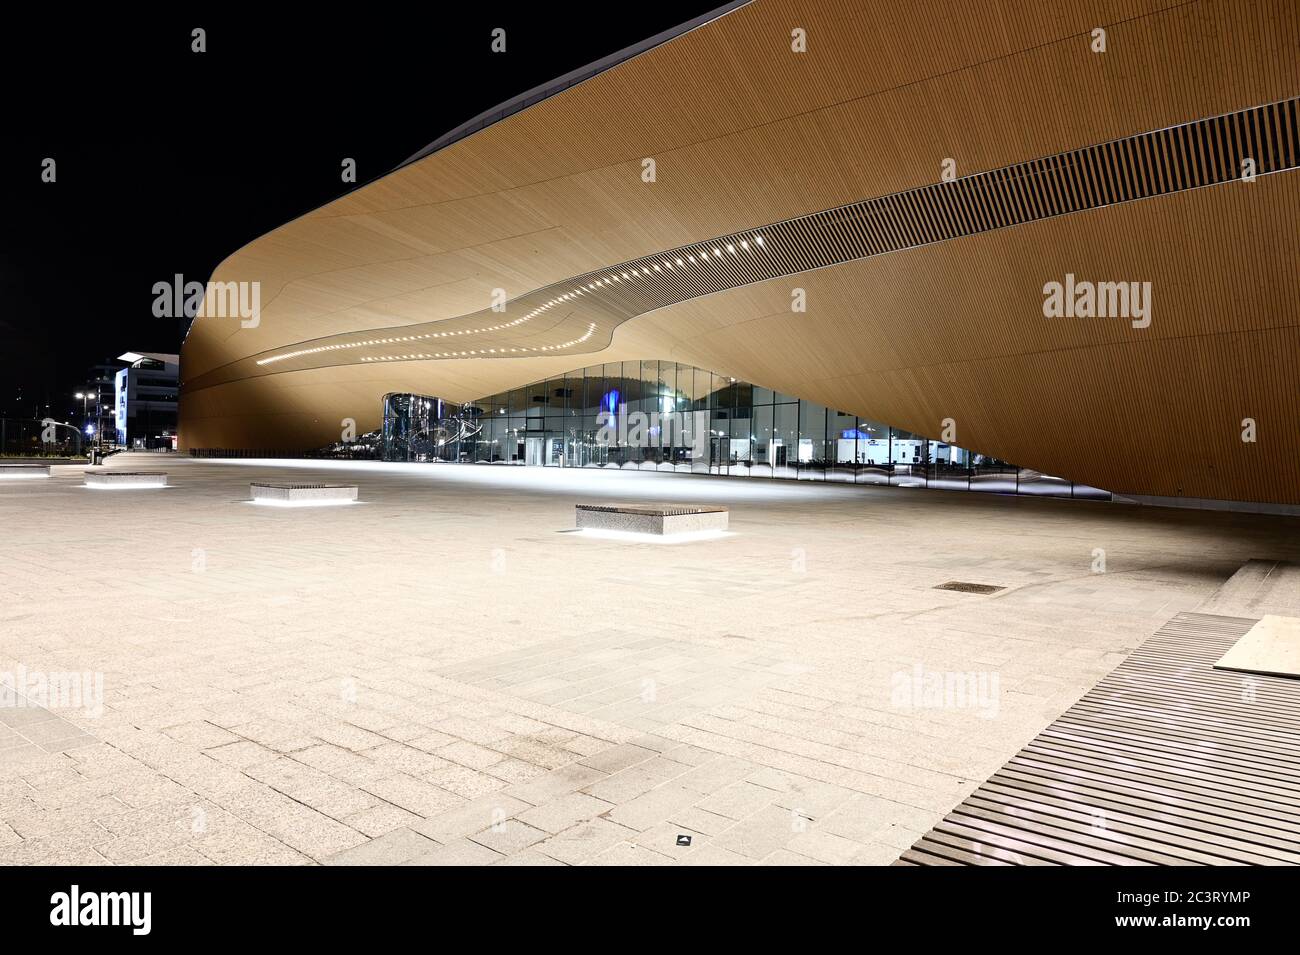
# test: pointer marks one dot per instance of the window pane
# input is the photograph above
(947, 469)
(841, 450)
(993, 475)
(762, 422)
(907, 452)
(785, 440)
(741, 447)
(811, 458)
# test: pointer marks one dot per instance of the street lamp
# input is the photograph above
(99, 419)
(87, 396)
(84, 396)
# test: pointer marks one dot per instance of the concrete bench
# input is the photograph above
(663, 519)
(126, 479)
(24, 470)
(285, 494)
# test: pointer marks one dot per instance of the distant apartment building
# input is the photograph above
(144, 404)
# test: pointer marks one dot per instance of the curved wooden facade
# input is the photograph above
(1115, 166)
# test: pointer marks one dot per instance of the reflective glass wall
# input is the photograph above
(662, 416)
(420, 428)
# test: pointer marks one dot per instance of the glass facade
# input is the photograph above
(663, 416)
(419, 428)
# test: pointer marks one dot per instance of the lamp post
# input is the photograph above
(99, 420)
(84, 396)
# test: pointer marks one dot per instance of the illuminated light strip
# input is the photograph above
(891, 211)
(641, 537)
(591, 330)
(593, 286)
(408, 338)
(125, 487)
(325, 502)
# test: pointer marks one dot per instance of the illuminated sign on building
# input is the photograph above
(120, 396)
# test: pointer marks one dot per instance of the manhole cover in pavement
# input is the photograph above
(963, 587)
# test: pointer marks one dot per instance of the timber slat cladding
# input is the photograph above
(746, 133)
(910, 87)
(1166, 761)
(822, 239)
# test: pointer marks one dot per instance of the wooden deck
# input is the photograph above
(1165, 762)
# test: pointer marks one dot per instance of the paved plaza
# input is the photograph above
(445, 673)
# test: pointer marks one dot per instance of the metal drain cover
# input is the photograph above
(963, 587)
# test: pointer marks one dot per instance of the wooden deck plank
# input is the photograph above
(1183, 764)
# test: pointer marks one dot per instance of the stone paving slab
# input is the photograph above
(1271, 646)
(286, 687)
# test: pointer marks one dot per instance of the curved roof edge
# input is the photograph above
(514, 105)
(560, 84)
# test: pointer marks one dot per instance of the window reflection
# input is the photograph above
(659, 415)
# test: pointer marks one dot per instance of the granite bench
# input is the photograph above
(661, 519)
(24, 470)
(302, 493)
(126, 479)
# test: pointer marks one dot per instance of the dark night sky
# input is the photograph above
(168, 160)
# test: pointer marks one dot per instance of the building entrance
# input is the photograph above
(533, 451)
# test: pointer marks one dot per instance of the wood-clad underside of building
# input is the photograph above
(1122, 166)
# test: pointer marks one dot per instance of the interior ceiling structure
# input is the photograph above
(822, 171)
